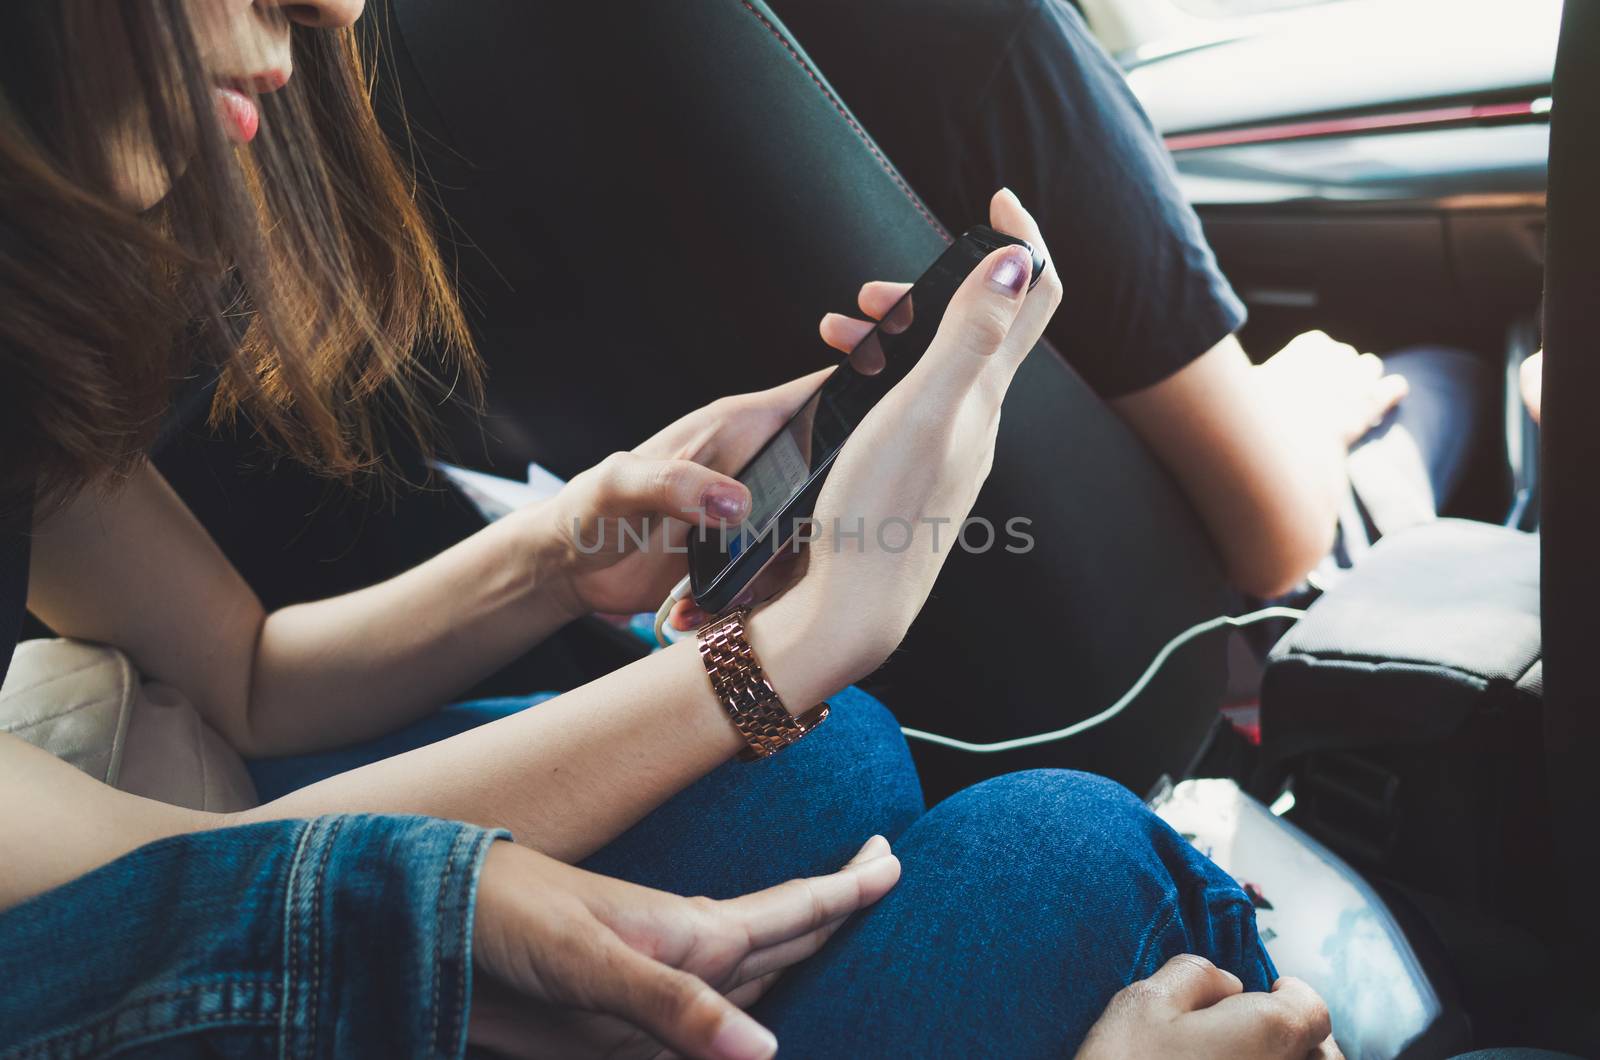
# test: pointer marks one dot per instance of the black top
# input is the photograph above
(967, 96)
(14, 541)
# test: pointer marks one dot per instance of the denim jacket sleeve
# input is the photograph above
(342, 936)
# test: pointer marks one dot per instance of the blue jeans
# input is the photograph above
(1025, 903)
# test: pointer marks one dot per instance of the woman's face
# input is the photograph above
(244, 45)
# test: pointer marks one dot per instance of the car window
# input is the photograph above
(1232, 8)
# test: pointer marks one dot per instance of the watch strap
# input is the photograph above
(741, 686)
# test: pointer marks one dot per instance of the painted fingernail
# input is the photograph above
(1008, 274)
(742, 1038)
(721, 502)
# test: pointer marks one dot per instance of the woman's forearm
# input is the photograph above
(355, 666)
(132, 567)
(565, 777)
(572, 774)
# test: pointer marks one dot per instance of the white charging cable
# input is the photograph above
(664, 612)
(681, 590)
(1220, 622)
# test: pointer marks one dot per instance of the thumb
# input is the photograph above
(1189, 983)
(1290, 1022)
(680, 1010)
(980, 314)
(629, 485)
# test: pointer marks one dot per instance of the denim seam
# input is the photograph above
(1247, 907)
(484, 838)
(1157, 926)
(290, 940)
(316, 932)
(438, 937)
(40, 1047)
(459, 916)
(469, 898)
(1163, 919)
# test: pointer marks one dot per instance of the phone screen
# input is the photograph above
(792, 463)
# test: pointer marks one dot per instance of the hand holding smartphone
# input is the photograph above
(787, 474)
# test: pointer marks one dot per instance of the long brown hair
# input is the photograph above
(300, 267)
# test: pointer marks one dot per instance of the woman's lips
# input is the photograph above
(240, 119)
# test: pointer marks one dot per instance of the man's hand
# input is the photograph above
(1533, 384)
(1192, 1008)
(1319, 378)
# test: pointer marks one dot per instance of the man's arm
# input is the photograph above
(1260, 450)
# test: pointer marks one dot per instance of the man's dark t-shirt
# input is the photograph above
(968, 96)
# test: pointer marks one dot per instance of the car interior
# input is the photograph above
(1404, 729)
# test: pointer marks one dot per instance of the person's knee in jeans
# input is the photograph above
(1133, 880)
(1024, 904)
(808, 810)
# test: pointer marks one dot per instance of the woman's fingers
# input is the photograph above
(843, 333)
(785, 399)
(1008, 215)
(785, 569)
(877, 297)
(687, 615)
(975, 327)
(752, 419)
(799, 907)
(626, 485)
(678, 1009)
(726, 433)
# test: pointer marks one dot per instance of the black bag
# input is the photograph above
(1406, 709)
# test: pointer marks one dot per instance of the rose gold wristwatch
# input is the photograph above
(745, 693)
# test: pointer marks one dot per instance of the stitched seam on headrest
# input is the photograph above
(50, 678)
(33, 723)
(877, 153)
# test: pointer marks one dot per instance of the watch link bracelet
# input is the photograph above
(745, 693)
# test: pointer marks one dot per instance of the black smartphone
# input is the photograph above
(786, 476)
